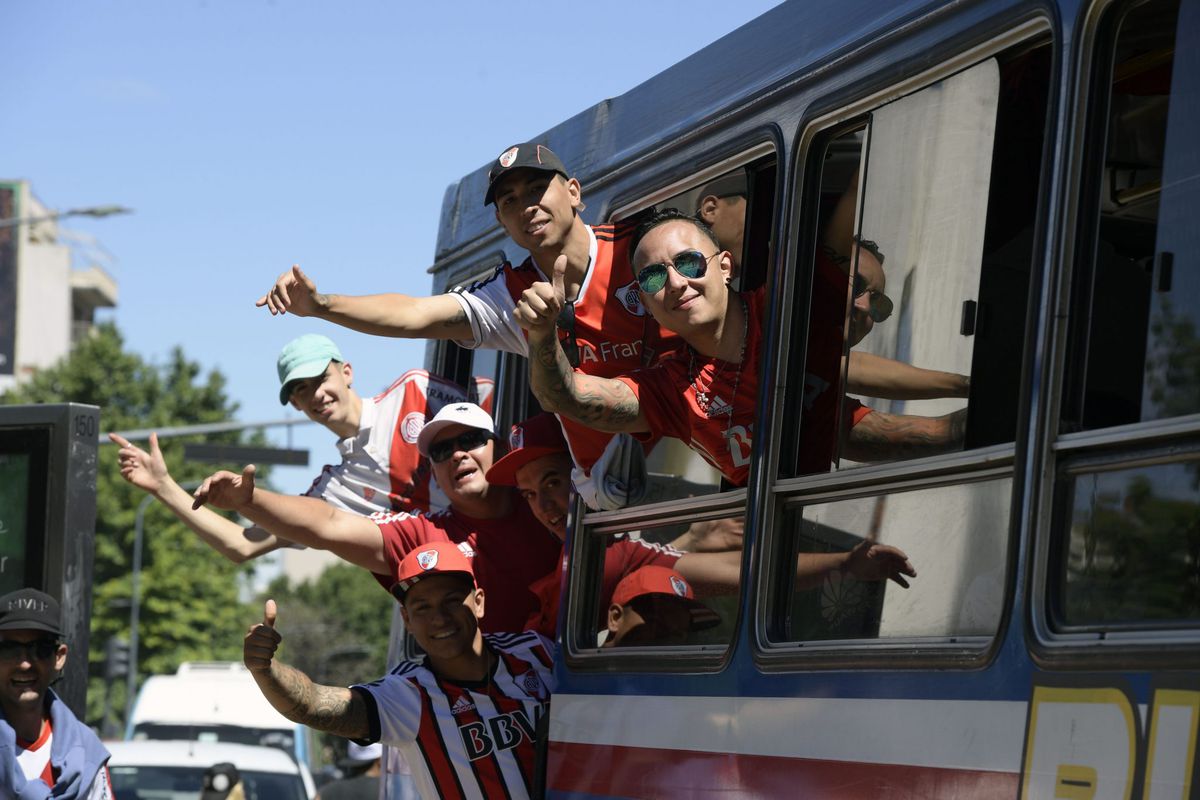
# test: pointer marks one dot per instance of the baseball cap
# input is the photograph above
(363, 754)
(433, 559)
(528, 441)
(732, 185)
(29, 609)
(530, 155)
(467, 414)
(654, 579)
(305, 356)
(219, 780)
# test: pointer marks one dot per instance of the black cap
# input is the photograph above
(731, 185)
(219, 780)
(29, 609)
(530, 155)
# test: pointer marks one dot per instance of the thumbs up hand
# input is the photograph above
(540, 305)
(262, 640)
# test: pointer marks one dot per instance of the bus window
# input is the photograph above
(954, 536)
(1124, 555)
(920, 290)
(1134, 347)
(663, 586)
(1128, 558)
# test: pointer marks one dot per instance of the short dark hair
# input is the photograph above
(664, 216)
(870, 247)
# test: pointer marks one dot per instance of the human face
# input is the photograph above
(327, 398)
(871, 274)
(651, 619)
(24, 676)
(537, 209)
(443, 614)
(684, 305)
(462, 475)
(727, 218)
(545, 483)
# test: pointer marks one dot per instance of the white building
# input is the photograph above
(46, 304)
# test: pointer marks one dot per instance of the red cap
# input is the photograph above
(432, 559)
(529, 440)
(665, 581)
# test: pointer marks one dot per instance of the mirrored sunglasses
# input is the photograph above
(691, 264)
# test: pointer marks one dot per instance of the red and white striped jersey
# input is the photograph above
(381, 468)
(467, 740)
(614, 332)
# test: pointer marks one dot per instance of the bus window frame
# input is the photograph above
(833, 116)
(1118, 447)
(580, 651)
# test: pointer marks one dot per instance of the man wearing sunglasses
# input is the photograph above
(704, 394)
(604, 326)
(380, 467)
(509, 550)
(45, 751)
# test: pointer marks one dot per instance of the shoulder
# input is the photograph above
(530, 645)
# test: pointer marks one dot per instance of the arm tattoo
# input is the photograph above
(881, 437)
(327, 708)
(833, 255)
(604, 404)
(323, 300)
(455, 321)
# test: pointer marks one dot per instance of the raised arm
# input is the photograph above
(876, 376)
(332, 709)
(305, 520)
(148, 472)
(881, 437)
(436, 317)
(602, 403)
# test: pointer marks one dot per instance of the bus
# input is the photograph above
(1029, 174)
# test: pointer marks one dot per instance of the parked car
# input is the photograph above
(174, 770)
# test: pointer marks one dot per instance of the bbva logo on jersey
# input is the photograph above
(503, 732)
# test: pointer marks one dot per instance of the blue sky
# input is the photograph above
(251, 134)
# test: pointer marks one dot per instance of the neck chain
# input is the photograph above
(703, 401)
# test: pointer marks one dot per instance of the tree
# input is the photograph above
(190, 608)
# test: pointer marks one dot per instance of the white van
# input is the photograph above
(217, 701)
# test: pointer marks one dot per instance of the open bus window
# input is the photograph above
(1134, 343)
(954, 536)
(920, 292)
(737, 206)
(665, 586)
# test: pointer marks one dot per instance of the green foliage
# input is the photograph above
(189, 593)
(335, 628)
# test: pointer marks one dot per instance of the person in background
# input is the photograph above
(45, 751)
(655, 606)
(362, 778)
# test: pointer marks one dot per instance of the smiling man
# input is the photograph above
(705, 393)
(508, 549)
(466, 719)
(604, 326)
(45, 751)
(380, 469)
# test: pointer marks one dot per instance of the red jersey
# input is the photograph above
(613, 331)
(467, 739)
(622, 557)
(507, 554)
(710, 404)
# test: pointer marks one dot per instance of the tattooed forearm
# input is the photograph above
(327, 708)
(600, 403)
(881, 437)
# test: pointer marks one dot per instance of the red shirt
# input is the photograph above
(710, 404)
(622, 557)
(614, 332)
(508, 554)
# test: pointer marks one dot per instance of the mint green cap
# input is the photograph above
(306, 356)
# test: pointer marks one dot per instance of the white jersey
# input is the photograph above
(34, 760)
(381, 468)
(464, 740)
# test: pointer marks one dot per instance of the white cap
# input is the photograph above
(364, 753)
(467, 414)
